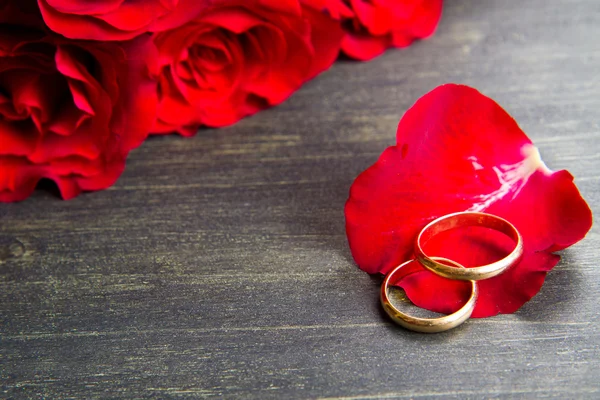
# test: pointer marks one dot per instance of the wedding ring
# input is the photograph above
(464, 219)
(427, 325)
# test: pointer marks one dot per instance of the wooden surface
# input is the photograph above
(218, 265)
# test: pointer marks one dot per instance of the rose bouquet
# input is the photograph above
(83, 83)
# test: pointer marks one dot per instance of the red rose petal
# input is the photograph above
(181, 13)
(435, 293)
(334, 8)
(116, 19)
(378, 20)
(134, 115)
(17, 139)
(373, 26)
(81, 26)
(326, 37)
(133, 16)
(420, 24)
(458, 150)
(236, 20)
(67, 120)
(282, 6)
(17, 180)
(364, 47)
(84, 7)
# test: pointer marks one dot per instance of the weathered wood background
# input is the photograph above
(218, 265)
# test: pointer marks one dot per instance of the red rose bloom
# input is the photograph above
(458, 150)
(239, 57)
(69, 111)
(116, 19)
(372, 26)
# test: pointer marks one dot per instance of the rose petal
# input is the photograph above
(336, 9)
(84, 7)
(17, 138)
(82, 26)
(326, 37)
(116, 19)
(373, 26)
(183, 12)
(419, 23)
(375, 18)
(133, 15)
(458, 150)
(236, 20)
(17, 179)
(363, 47)
(135, 111)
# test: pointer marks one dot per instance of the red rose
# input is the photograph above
(70, 111)
(239, 57)
(116, 19)
(372, 26)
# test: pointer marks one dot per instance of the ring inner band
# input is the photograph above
(427, 325)
(465, 219)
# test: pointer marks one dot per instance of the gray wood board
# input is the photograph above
(218, 265)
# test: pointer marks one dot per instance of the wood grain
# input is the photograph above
(218, 266)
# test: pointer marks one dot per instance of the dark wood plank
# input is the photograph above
(218, 265)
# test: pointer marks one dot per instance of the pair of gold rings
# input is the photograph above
(451, 269)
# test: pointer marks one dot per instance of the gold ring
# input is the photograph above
(427, 325)
(463, 219)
